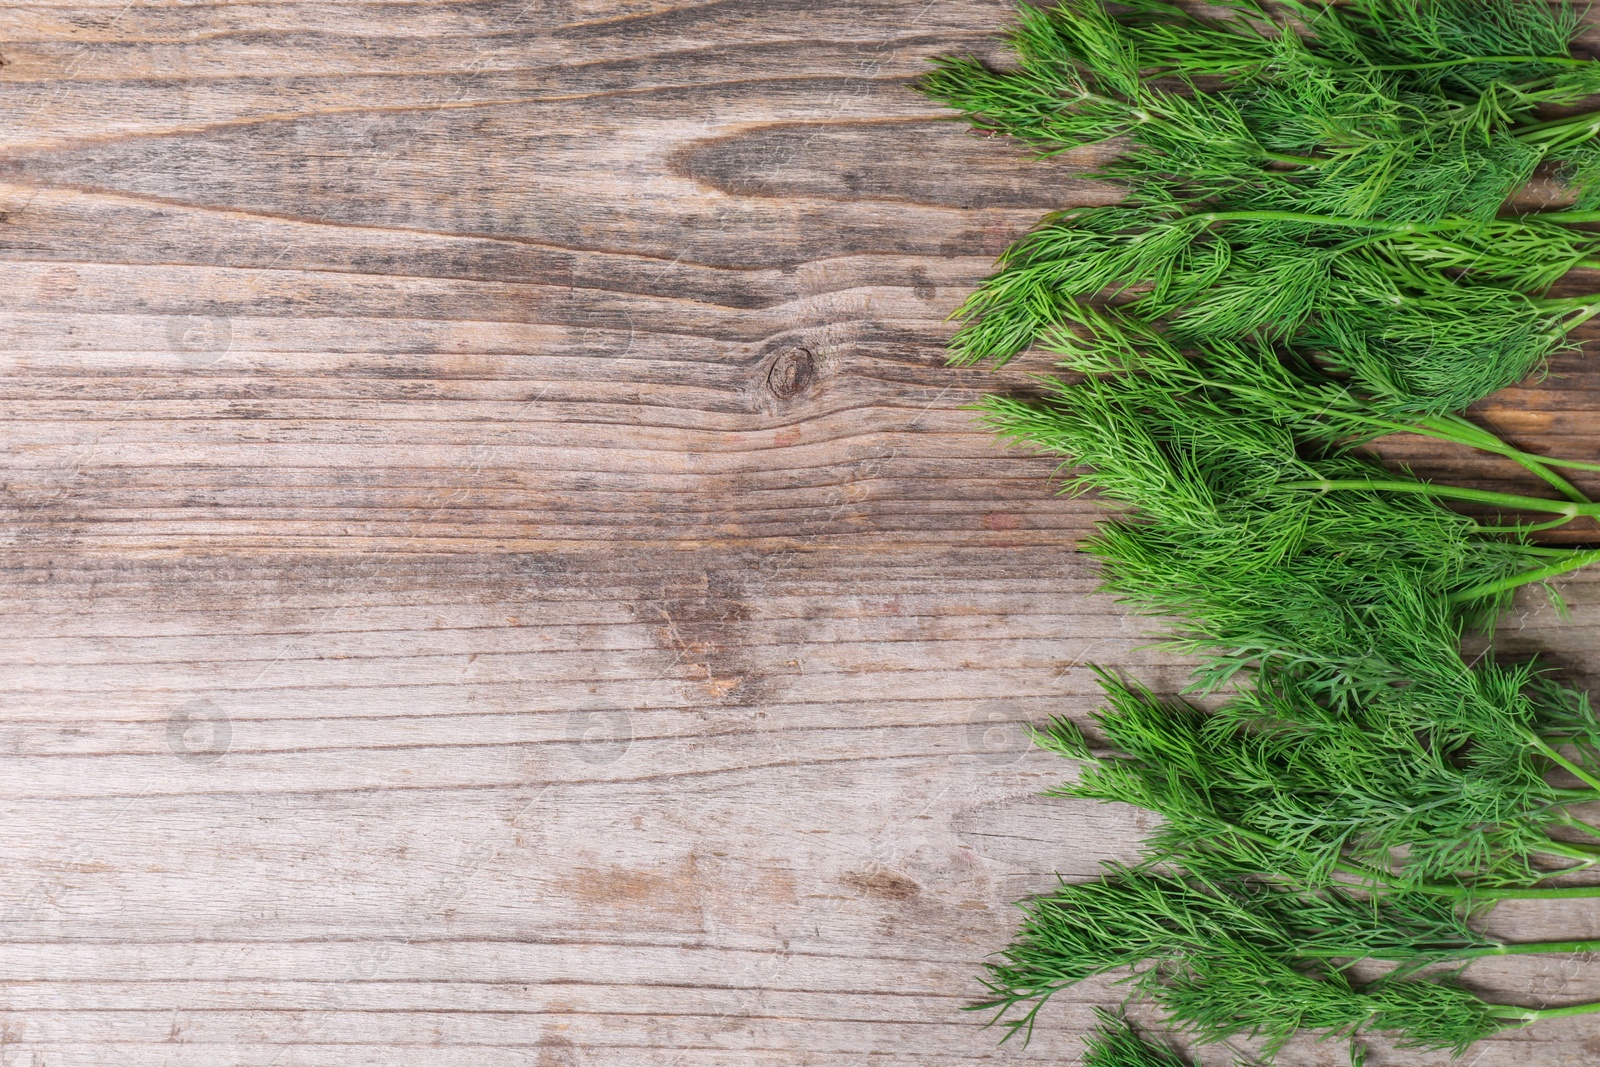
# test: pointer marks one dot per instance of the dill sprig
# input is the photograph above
(1269, 383)
(1230, 958)
(1277, 784)
(1450, 46)
(1342, 195)
(1115, 1043)
(1415, 116)
(1243, 486)
(1430, 316)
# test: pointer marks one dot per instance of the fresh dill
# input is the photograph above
(1311, 254)
(1115, 1043)
(1231, 958)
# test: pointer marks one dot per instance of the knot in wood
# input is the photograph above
(792, 373)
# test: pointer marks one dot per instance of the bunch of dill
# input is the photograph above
(1313, 252)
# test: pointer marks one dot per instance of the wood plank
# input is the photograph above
(496, 570)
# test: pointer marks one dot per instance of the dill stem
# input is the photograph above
(1537, 527)
(1586, 302)
(1585, 313)
(1553, 128)
(1516, 948)
(1586, 856)
(1354, 870)
(1505, 893)
(1558, 483)
(1543, 461)
(1298, 161)
(1457, 424)
(1578, 312)
(1561, 216)
(1561, 761)
(1570, 509)
(1381, 225)
(1456, 429)
(1579, 825)
(1451, 428)
(1440, 64)
(1573, 561)
(1467, 892)
(1387, 225)
(1527, 948)
(1532, 1015)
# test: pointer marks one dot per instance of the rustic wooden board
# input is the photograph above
(496, 571)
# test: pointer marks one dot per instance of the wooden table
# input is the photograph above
(496, 570)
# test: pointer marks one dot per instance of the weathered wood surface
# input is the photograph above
(495, 570)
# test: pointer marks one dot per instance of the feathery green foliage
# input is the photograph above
(1115, 1043)
(1342, 192)
(1266, 383)
(1333, 595)
(1430, 318)
(1276, 784)
(1409, 116)
(1233, 958)
(1447, 46)
(1311, 255)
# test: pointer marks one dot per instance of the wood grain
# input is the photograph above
(496, 571)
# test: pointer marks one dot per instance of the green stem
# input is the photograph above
(1552, 129)
(1524, 948)
(1567, 217)
(1558, 483)
(1581, 308)
(1573, 561)
(1386, 227)
(1564, 893)
(1455, 428)
(1298, 161)
(1450, 492)
(1527, 948)
(1465, 61)
(1568, 464)
(1554, 461)
(1375, 877)
(1381, 225)
(1524, 530)
(1355, 870)
(1585, 855)
(1544, 461)
(1451, 428)
(1370, 876)
(1579, 825)
(1584, 314)
(1533, 1015)
(1561, 761)
(1458, 424)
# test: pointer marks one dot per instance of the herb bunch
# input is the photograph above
(1312, 253)
(1342, 191)
(1231, 958)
